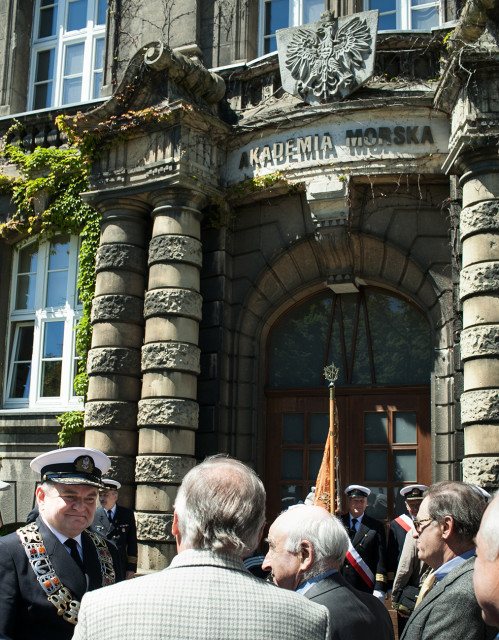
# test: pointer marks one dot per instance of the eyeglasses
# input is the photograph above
(418, 524)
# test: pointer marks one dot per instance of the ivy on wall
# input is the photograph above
(48, 201)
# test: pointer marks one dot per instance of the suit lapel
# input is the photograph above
(101, 522)
(91, 561)
(361, 532)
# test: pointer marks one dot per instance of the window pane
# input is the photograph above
(48, 18)
(74, 59)
(97, 85)
(292, 465)
(292, 428)
(424, 18)
(276, 15)
(383, 5)
(77, 15)
(377, 503)
(361, 367)
(59, 253)
(51, 379)
(387, 21)
(43, 96)
(21, 371)
(54, 337)
(297, 345)
(400, 335)
(404, 427)
(25, 293)
(314, 463)
(57, 283)
(101, 12)
(99, 54)
(375, 466)
(405, 466)
(28, 258)
(24, 347)
(45, 65)
(319, 428)
(72, 90)
(375, 428)
(312, 10)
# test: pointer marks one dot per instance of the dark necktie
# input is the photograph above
(73, 547)
(352, 530)
(110, 515)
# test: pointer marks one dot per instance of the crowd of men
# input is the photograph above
(329, 574)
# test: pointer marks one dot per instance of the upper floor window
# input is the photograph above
(418, 15)
(44, 311)
(67, 52)
(279, 14)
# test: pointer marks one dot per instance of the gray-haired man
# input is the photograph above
(447, 523)
(307, 547)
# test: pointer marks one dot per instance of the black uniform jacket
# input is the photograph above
(121, 531)
(396, 539)
(369, 542)
(25, 612)
(355, 615)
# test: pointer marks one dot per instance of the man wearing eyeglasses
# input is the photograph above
(447, 523)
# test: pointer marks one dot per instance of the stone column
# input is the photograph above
(118, 328)
(168, 410)
(479, 290)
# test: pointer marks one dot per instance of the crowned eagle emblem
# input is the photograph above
(325, 61)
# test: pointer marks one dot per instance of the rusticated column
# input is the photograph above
(118, 328)
(479, 290)
(168, 410)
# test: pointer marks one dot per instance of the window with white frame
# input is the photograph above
(67, 52)
(43, 316)
(418, 15)
(279, 14)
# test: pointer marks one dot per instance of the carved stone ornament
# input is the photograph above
(326, 61)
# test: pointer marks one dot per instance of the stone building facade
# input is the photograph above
(248, 238)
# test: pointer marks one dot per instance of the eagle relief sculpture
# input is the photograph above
(325, 61)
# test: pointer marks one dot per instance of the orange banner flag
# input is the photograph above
(322, 496)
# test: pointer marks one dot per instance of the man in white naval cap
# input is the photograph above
(117, 523)
(365, 562)
(412, 569)
(48, 565)
(413, 497)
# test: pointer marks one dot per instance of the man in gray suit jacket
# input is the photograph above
(206, 592)
(307, 547)
(447, 523)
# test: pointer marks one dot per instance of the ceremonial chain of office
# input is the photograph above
(40, 562)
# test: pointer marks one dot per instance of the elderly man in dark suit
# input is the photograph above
(307, 547)
(365, 563)
(206, 592)
(48, 565)
(117, 523)
(447, 523)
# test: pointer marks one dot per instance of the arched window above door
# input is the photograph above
(374, 337)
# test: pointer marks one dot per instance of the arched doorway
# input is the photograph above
(382, 346)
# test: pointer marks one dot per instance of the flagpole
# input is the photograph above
(331, 373)
(332, 450)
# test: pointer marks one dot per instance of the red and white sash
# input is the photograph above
(405, 522)
(360, 566)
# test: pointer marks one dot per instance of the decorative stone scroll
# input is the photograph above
(326, 61)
